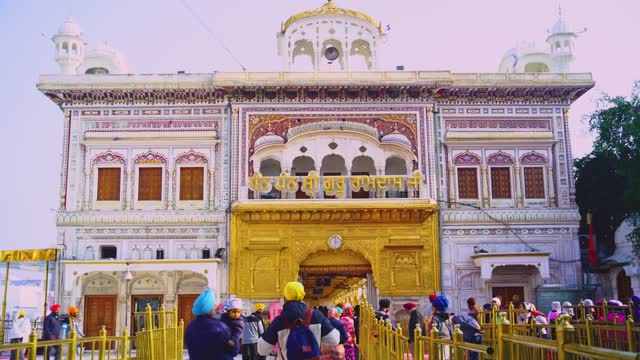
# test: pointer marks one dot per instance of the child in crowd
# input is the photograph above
(234, 320)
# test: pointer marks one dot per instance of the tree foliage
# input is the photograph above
(608, 179)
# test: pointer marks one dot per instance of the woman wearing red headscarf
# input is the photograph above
(347, 320)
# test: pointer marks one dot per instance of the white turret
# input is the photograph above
(69, 44)
(562, 44)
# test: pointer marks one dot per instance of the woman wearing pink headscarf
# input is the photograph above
(275, 309)
(347, 320)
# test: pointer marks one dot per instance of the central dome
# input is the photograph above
(330, 8)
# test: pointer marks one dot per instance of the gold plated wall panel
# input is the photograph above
(271, 238)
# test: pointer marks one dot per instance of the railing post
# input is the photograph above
(71, 355)
(418, 350)
(33, 341)
(503, 327)
(181, 338)
(458, 354)
(565, 334)
(163, 326)
(434, 354)
(125, 344)
(587, 328)
(512, 318)
(149, 317)
(631, 339)
(381, 339)
(103, 343)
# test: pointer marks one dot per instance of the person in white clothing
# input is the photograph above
(20, 331)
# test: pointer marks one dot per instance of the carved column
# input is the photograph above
(552, 189)
(170, 192)
(452, 187)
(129, 185)
(518, 194)
(65, 159)
(485, 187)
(87, 187)
(211, 188)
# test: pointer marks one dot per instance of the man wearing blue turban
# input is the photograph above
(206, 338)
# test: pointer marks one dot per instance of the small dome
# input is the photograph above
(69, 27)
(106, 57)
(396, 138)
(330, 8)
(266, 140)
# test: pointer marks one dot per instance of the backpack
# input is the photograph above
(301, 343)
(444, 327)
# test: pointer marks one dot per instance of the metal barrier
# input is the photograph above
(380, 341)
(161, 342)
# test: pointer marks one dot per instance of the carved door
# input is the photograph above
(185, 304)
(508, 294)
(99, 310)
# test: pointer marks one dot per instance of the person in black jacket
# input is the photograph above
(415, 318)
(294, 309)
(51, 331)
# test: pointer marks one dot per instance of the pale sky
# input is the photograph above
(161, 36)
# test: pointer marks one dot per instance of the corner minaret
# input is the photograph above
(562, 44)
(69, 46)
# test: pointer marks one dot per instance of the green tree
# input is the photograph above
(608, 179)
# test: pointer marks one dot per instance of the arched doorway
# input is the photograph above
(332, 275)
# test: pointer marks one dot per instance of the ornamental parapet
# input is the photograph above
(83, 218)
(510, 216)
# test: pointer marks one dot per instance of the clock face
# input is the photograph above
(335, 241)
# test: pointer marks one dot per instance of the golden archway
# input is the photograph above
(270, 239)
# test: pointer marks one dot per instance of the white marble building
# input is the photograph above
(151, 163)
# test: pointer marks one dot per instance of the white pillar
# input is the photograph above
(129, 185)
(485, 186)
(518, 187)
(452, 187)
(170, 192)
(211, 188)
(552, 191)
(87, 186)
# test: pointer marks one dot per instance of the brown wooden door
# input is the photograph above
(623, 282)
(99, 310)
(139, 304)
(185, 304)
(508, 294)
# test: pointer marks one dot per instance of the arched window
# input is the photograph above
(533, 165)
(395, 166)
(301, 166)
(500, 164)
(271, 167)
(362, 166)
(332, 165)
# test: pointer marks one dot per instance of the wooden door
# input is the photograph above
(623, 282)
(99, 310)
(185, 304)
(139, 304)
(508, 294)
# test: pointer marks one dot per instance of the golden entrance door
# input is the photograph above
(99, 310)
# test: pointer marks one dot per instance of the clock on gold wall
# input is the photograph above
(335, 241)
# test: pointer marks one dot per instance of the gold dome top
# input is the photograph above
(330, 8)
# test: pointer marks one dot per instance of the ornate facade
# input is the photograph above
(409, 182)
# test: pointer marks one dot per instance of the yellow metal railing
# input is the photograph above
(379, 341)
(163, 341)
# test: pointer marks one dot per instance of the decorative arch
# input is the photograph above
(467, 158)
(99, 283)
(362, 48)
(302, 163)
(109, 157)
(150, 157)
(303, 47)
(193, 283)
(191, 157)
(500, 158)
(395, 165)
(533, 158)
(270, 167)
(147, 283)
